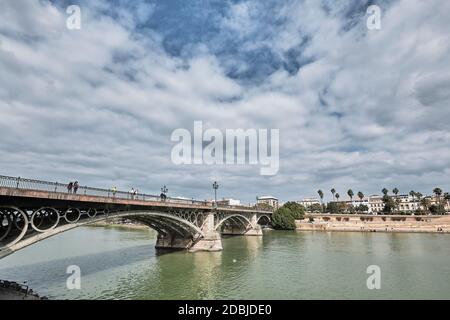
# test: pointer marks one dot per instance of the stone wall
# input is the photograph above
(375, 224)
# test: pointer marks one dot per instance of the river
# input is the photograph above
(118, 263)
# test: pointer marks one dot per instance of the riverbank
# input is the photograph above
(128, 226)
(364, 223)
(10, 290)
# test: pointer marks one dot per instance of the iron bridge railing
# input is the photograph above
(56, 187)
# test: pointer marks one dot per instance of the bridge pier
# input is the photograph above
(212, 240)
(171, 241)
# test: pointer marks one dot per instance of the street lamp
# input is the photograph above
(164, 190)
(215, 187)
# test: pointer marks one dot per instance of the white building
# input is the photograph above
(271, 201)
(229, 202)
(375, 204)
(308, 202)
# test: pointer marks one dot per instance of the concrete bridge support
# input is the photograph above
(255, 229)
(211, 241)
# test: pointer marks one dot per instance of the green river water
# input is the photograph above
(118, 263)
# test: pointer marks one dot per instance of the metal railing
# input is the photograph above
(39, 185)
(56, 187)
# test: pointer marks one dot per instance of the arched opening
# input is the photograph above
(264, 221)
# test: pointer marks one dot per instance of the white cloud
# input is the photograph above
(367, 110)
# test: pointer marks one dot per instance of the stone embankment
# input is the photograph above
(368, 223)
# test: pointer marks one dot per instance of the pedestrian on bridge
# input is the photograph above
(69, 187)
(114, 190)
(75, 187)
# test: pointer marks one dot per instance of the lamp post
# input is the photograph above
(215, 187)
(164, 190)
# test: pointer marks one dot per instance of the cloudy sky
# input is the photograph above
(356, 108)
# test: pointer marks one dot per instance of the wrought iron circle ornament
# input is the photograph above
(72, 215)
(91, 213)
(5, 225)
(16, 224)
(45, 219)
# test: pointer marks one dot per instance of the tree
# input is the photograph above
(335, 207)
(284, 218)
(412, 193)
(384, 191)
(333, 191)
(315, 208)
(362, 208)
(337, 196)
(437, 209)
(425, 203)
(360, 195)
(438, 193)
(297, 210)
(389, 204)
(395, 191)
(320, 192)
(447, 198)
(350, 194)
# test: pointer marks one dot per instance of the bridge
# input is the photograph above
(34, 210)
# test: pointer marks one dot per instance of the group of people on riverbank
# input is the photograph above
(72, 187)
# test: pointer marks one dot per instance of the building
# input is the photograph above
(405, 203)
(375, 204)
(308, 202)
(229, 202)
(271, 201)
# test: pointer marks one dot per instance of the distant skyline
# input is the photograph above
(355, 108)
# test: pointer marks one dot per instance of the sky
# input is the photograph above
(355, 108)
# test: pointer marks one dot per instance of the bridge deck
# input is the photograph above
(14, 196)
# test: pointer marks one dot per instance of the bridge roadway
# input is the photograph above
(32, 210)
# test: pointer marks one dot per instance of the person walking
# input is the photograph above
(132, 193)
(69, 187)
(75, 187)
(114, 190)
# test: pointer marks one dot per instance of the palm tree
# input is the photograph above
(438, 193)
(419, 198)
(385, 191)
(333, 191)
(395, 191)
(337, 196)
(350, 194)
(397, 200)
(412, 193)
(360, 195)
(320, 192)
